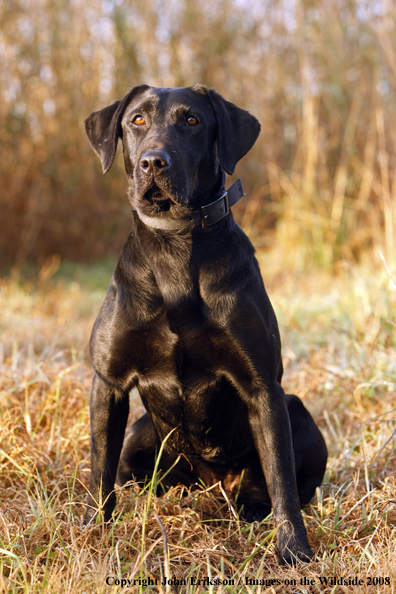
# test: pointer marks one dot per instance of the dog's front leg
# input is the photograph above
(109, 410)
(270, 425)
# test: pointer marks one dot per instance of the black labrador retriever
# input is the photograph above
(188, 322)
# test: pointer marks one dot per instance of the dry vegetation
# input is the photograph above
(321, 78)
(340, 353)
(318, 74)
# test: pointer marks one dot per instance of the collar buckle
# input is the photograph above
(214, 212)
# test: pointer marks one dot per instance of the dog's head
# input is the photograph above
(177, 143)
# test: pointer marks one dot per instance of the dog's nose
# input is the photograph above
(154, 161)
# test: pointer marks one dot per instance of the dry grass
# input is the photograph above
(340, 354)
(320, 76)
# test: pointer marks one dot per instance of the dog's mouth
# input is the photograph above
(158, 198)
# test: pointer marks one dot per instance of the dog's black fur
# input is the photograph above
(188, 322)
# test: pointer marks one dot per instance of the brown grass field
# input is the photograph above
(339, 349)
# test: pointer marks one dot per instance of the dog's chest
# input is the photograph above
(183, 386)
(179, 350)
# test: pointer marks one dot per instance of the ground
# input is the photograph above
(339, 348)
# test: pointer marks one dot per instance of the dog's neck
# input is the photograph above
(205, 216)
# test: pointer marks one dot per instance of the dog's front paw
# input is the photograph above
(90, 516)
(293, 548)
(97, 512)
(95, 516)
(296, 555)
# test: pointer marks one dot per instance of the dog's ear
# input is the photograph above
(103, 128)
(238, 131)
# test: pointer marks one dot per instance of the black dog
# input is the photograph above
(188, 322)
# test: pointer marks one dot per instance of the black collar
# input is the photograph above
(204, 217)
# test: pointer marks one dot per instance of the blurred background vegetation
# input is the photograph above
(320, 75)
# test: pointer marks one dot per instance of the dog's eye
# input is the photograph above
(139, 120)
(192, 121)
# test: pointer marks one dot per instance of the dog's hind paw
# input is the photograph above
(256, 512)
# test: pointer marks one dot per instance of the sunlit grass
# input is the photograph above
(338, 334)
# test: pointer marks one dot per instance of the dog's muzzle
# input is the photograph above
(206, 216)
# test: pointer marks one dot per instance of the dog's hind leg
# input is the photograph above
(138, 452)
(138, 456)
(310, 451)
